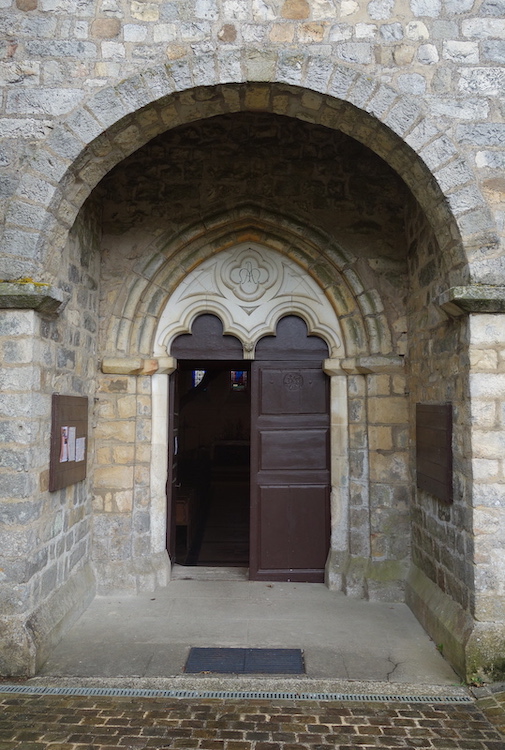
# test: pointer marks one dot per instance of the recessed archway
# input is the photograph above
(117, 121)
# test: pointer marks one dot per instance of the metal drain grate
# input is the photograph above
(245, 661)
(233, 694)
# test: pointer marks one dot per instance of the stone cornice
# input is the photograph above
(138, 365)
(476, 298)
(30, 295)
(364, 365)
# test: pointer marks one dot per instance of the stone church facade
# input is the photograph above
(340, 161)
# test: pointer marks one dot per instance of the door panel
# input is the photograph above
(287, 391)
(290, 478)
(293, 449)
(293, 529)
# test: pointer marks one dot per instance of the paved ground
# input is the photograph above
(149, 635)
(100, 723)
(405, 695)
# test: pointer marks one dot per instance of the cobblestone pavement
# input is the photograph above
(493, 705)
(56, 722)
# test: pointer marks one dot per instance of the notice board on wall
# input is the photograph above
(434, 450)
(69, 441)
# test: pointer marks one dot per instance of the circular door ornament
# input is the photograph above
(249, 275)
(293, 381)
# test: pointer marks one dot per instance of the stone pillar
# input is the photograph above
(129, 550)
(339, 542)
(486, 645)
(22, 412)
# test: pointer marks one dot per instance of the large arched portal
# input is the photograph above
(296, 175)
(276, 427)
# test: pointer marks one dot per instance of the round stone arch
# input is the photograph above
(142, 298)
(118, 120)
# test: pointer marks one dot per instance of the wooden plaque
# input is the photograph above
(69, 441)
(434, 450)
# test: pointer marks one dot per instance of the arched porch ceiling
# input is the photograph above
(118, 120)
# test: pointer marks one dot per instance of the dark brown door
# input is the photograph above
(290, 478)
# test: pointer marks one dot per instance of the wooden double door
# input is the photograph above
(288, 399)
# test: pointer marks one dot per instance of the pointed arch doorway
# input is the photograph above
(250, 483)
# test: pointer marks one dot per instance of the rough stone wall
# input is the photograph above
(121, 492)
(47, 538)
(442, 535)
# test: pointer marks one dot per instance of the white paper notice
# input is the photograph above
(64, 445)
(80, 449)
(71, 443)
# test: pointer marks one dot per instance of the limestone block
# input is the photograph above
(487, 385)
(126, 407)
(431, 8)
(453, 7)
(484, 414)
(492, 495)
(122, 365)
(481, 360)
(133, 32)
(378, 385)
(114, 477)
(462, 52)
(417, 31)
(380, 438)
(165, 32)
(238, 10)
(349, 7)
(493, 51)
(123, 454)
(427, 54)
(483, 28)
(106, 28)
(488, 443)
(389, 467)
(393, 410)
(366, 31)
(355, 52)
(340, 32)
(309, 33)
(142, 475)
(60, 48)
(392, 32)
(21, 74)
(123, 431)
(486, 470)
(113, 50)
(27, 378)
(482, 81)
(282, 33)
(123, 501)
(380, 10)
(145, 11)
(295, 9)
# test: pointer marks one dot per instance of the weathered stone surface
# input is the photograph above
(93, 83)
(459, 300)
